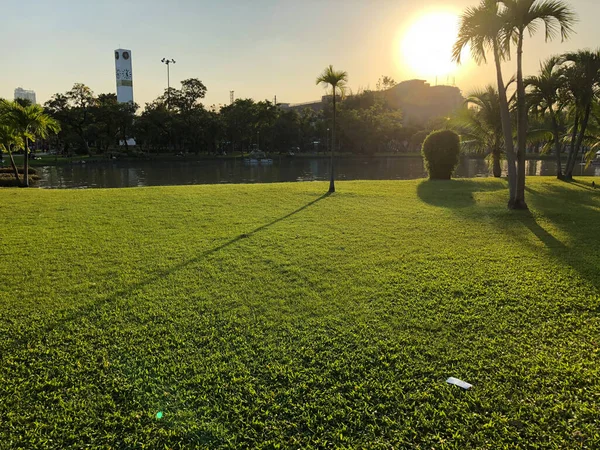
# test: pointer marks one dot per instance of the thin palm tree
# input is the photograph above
(482, 28)
(30, 122)
(337, 79)
(592, 140)
(480, 126)
(543, 97)
(520, 16)
(581, 75)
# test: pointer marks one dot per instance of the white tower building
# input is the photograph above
(124, 75)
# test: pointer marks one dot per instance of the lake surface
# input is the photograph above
(114, 174)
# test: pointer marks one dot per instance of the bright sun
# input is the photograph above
(426, 46)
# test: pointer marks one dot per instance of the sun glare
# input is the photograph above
(426, 47)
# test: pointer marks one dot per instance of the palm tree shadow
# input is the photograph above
(454, 194)
(116, 295)
(575, 257)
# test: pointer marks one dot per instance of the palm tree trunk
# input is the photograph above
(557, 146)
(506, 130)
(578, 144)
(13, 165)
(332, 179)
(571, 156)
(496, 167)
(26, 164)
(521, 128)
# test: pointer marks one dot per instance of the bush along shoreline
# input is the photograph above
(8, 179)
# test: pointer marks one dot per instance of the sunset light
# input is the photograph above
(426, 47)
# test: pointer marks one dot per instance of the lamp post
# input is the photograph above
(168, 62)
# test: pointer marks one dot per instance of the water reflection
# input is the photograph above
(154, 173)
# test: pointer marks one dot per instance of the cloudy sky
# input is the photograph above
(258, 48)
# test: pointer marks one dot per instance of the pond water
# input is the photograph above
(115, 174)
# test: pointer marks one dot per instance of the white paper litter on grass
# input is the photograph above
(459, 383)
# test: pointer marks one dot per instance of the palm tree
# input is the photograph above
(581, 74)
(482, 28)
(481, 127)
(8, 138)
(336, 79)
(519, 16)
(29, 123)
(543, 97)
(9, 141)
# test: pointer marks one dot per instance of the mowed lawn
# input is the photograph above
(266, 316)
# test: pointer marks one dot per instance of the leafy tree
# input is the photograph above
(29, 123)
(82, 101)
(519, 16)
(337, 79)
(74, 110)
(368, 124)
(239, 121)
(384, 83)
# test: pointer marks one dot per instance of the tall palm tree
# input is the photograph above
(543, 97)
(481, 126)
(30, 122)
(582, 84)
(520, 16)
(337, 79)
(482, 28)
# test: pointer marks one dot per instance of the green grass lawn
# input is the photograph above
(252, 316)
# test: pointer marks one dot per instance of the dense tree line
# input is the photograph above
(178, 122)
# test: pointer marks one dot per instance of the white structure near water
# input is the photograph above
(124, 74)
(25, 94)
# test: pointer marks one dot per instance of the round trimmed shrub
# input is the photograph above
(440, 151)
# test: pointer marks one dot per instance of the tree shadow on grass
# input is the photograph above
(88, 309)
(575, 213)
(455, 194)
(582, 258)
(571, 210)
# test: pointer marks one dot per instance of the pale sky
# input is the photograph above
(258, 48)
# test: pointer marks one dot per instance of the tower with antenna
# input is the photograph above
(231, 97)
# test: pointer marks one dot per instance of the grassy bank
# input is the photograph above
(254, 315)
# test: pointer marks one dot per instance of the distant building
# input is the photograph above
(25, 94)
(421, 102)
(316, 105)
(417, 99)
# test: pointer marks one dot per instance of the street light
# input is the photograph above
(168, 62)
